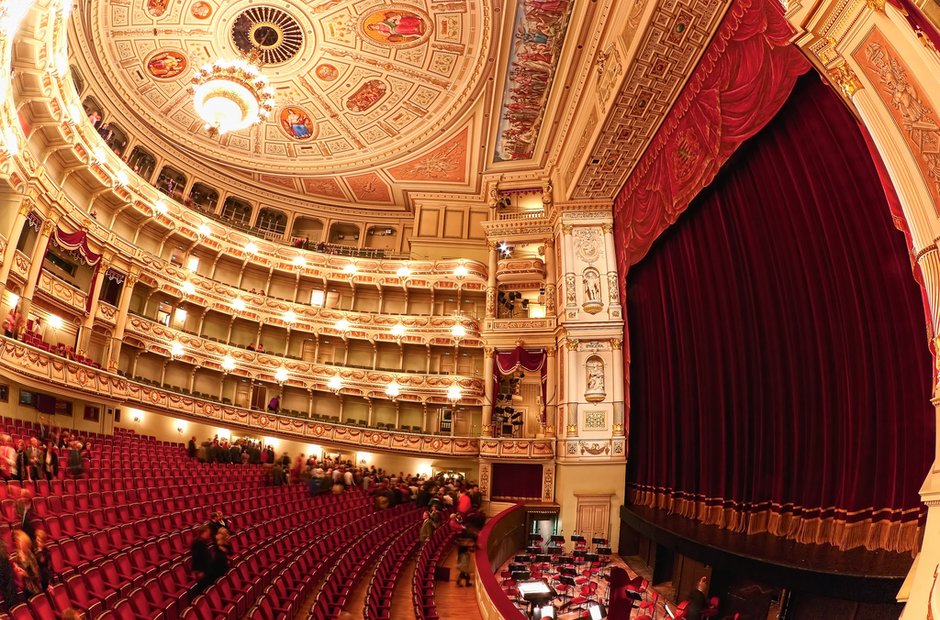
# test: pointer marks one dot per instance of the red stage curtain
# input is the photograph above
(508, 362)
(517, 481)
(780, 373)
(77, 241)
(744, 77)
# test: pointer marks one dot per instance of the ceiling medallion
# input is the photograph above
(231, 95)
(272, 33)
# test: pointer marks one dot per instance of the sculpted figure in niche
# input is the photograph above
(595, 380)
(592, 285)
(595, 375)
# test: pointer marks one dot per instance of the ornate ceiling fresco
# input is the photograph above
(370, 94)
(382, 100)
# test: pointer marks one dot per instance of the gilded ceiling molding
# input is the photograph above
(653, 82)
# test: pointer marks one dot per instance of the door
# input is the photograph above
(593, 516)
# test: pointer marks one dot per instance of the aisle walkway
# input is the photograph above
(453, 603)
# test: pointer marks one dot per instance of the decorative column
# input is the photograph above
(571, 291)
(84, 335)
(550, 278)
(618, 379)
(551, 406)
(574, 370)
(35, 267)
(9, 253)
(120, 321)
(613, 285)
(489, 363)
(491, 280)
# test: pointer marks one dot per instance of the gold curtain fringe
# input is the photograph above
(883, 534)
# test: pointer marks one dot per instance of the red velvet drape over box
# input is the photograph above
(780, 373)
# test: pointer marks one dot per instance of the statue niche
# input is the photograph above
(591, 281)
(594, 369)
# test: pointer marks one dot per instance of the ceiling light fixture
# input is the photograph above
(231, 95)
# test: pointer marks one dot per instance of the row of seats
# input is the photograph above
(422, 585)
(136, 583)
(355, 560)
(378, 603)
(284, 584)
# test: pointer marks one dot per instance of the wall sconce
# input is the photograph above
(281, 376)
(176, 350)
(454, 394)
(335, 384)
(392, 390)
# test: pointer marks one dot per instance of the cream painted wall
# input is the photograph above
(585, 480)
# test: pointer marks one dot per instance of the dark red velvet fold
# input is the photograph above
(780, 374)
(742, 80)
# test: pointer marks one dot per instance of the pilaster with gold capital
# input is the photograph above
(13, 239)
(843, 77)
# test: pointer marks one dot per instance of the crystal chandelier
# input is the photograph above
(231, 95)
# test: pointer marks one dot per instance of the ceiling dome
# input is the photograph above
(358, 85)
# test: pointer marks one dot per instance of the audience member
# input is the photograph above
(25, 514)
(218, 522)
(11, 322)
(427, 527)
(221, 554)
(191, 447)
(25, 568)
(51, 461)
(201, 558)
(43, 559)
(7, 457)
(7, 579)
(697, 601)
(21, 461)
(76, 466)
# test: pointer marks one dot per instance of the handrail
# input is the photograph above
(487, 585)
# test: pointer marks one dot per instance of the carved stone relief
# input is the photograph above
(587, 244)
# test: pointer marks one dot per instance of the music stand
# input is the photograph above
(520, 575)
(569, 571)
(566, 559)
(536, 593)
(557, 539)
(534, 549)
(592, 557)
(603, 551)
(555, 550)
(521, 559)
(543, 557)
(599, 541)
(517, 566)
(578, 538)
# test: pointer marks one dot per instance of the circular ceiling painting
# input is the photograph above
(359, 85)
(271, 33)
